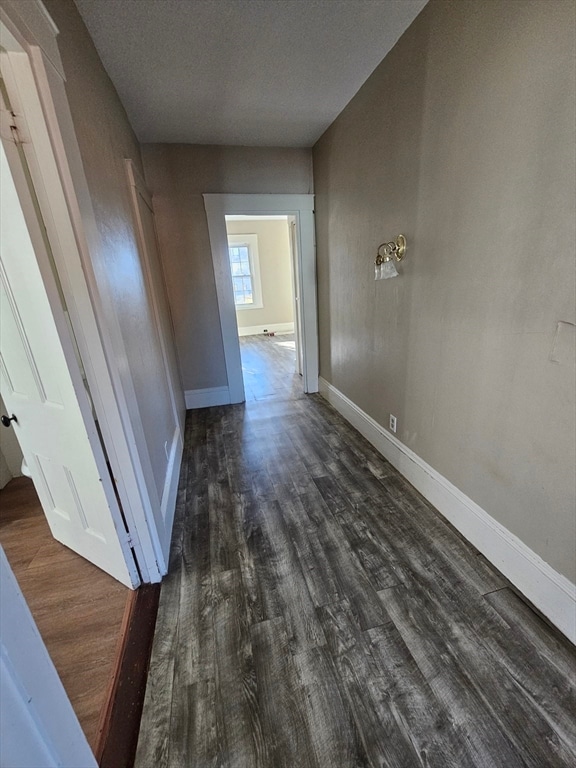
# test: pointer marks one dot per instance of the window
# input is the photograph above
(243, 252)
(241, 274)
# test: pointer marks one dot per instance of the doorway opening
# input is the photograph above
(264, 282)
(297, 212)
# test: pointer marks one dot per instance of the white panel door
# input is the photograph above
(43, 388)
(38, 726)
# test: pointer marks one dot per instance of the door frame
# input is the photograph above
(111, 551)
(35, 83)
(301, 207)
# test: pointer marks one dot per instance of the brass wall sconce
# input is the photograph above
(387, 255)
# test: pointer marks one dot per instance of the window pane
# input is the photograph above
(242, 278)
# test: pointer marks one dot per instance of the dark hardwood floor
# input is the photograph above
(77, 607)
(319, 612)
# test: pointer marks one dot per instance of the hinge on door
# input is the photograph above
(12, 125)
(14, 130)
(9, 127)
(128, 540)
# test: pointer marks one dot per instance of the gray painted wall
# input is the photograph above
(463, 140)
(178, 175)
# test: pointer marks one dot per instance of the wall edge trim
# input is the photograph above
(205, 398)
(549, 591)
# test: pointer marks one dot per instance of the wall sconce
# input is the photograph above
(387, 254)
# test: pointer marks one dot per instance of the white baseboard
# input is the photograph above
(168, 503)
(277, 328)
(551, 592)
(205, 398)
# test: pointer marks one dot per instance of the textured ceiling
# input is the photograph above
(244, 72)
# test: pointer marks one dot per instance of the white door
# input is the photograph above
(38, 726)
(42, 386)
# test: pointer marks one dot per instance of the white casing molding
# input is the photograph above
(206, 398)
(551, 592)
(258, 330)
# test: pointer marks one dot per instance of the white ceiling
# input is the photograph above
(243, 72)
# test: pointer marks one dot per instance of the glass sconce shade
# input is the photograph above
(388, 269)
(387, 255)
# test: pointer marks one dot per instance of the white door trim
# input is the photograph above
(30, 24)
(60, 182)
(302, 208)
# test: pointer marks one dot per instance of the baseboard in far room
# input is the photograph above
(205, 398)
(276, 328)
(549, 591)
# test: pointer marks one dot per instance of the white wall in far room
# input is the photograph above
(275, 274)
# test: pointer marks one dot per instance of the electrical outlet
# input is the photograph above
(392, 423)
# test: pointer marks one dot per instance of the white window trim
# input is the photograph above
(251, 241)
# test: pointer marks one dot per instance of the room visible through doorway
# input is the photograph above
(300, 210)
(264, 282)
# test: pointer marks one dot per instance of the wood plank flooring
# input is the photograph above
(77, 607)
(320, 613)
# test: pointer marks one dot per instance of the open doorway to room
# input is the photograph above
(263, 272)
(297, 213)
